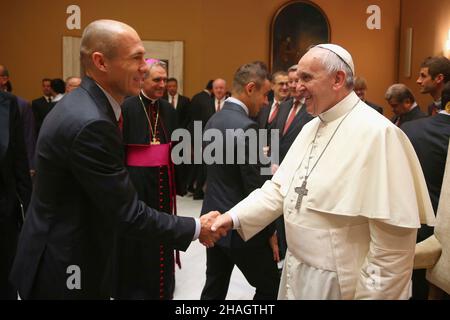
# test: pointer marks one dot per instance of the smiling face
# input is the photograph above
(155, 82)
(126, 69)
(315, 84)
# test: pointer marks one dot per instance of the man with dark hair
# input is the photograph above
(179, 102)
(227, 184)
(58, 90)
(403, 104)
(15, 188)
(83, 197)
(434, 73)
(430, 137)
(42, 106)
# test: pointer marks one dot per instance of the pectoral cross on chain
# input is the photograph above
(301, 191)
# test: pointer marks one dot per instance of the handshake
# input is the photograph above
(213, 227)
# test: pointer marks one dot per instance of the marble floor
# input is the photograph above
(191, 277)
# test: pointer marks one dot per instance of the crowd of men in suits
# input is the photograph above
(428, 131)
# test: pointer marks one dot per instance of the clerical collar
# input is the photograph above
(114, 104)
(238, 102)
(339, 109)
(153, 101)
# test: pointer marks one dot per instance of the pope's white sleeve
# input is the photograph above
(386, 272)
(260, 208)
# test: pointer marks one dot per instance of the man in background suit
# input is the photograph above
(199, 102)
(403, 104)
(430, 137)
(292, 117)
(42, 106)
(179, 102)
(268, 114)
(227, 184)
(15, 187)
(434, 73)
(83, 197)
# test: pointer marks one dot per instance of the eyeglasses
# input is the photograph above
(281, 84)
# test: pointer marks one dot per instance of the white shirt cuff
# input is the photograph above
(234, 217)
(197, 229)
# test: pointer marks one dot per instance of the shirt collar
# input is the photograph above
(341, 108)
(114, 104)
(238, 102)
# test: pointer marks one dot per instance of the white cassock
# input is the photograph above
(355, 232)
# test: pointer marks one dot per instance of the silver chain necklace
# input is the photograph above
(302, 191)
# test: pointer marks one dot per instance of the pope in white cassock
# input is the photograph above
(351, 190)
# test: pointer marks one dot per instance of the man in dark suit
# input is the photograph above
(179, 102)
(360, 88)
(268, 114)
(403, 104)
(42, 106)
(291, 119)
(229, 183)
(434, 73)
(430, 138)
(83, 197)
(202, 108)
(15, 187)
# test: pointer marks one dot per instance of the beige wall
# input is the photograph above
(430, 21)
(218, 36)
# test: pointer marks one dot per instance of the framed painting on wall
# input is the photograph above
(295, 27)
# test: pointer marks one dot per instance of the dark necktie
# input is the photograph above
(120, 122)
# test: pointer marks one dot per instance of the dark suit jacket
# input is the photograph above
(228, 184)
(429, 138)
(82, 198)
(302, 118)
(29, 128)
(41, 107)
(413, 114)
(183, 111)
(202, 108)
(15, 183)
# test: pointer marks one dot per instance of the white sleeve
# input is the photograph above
(387, 270)
(260, 208)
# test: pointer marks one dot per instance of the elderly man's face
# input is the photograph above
(72, 84)
(315, 84)
(127, 68)
(155, 82)
(219, 89)
(360, 92)
(400, 107)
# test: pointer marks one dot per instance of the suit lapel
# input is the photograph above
(99, 97)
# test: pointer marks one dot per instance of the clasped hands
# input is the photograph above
(213, 227)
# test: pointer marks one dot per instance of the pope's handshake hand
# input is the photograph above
(207, 236)
(224, 222)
